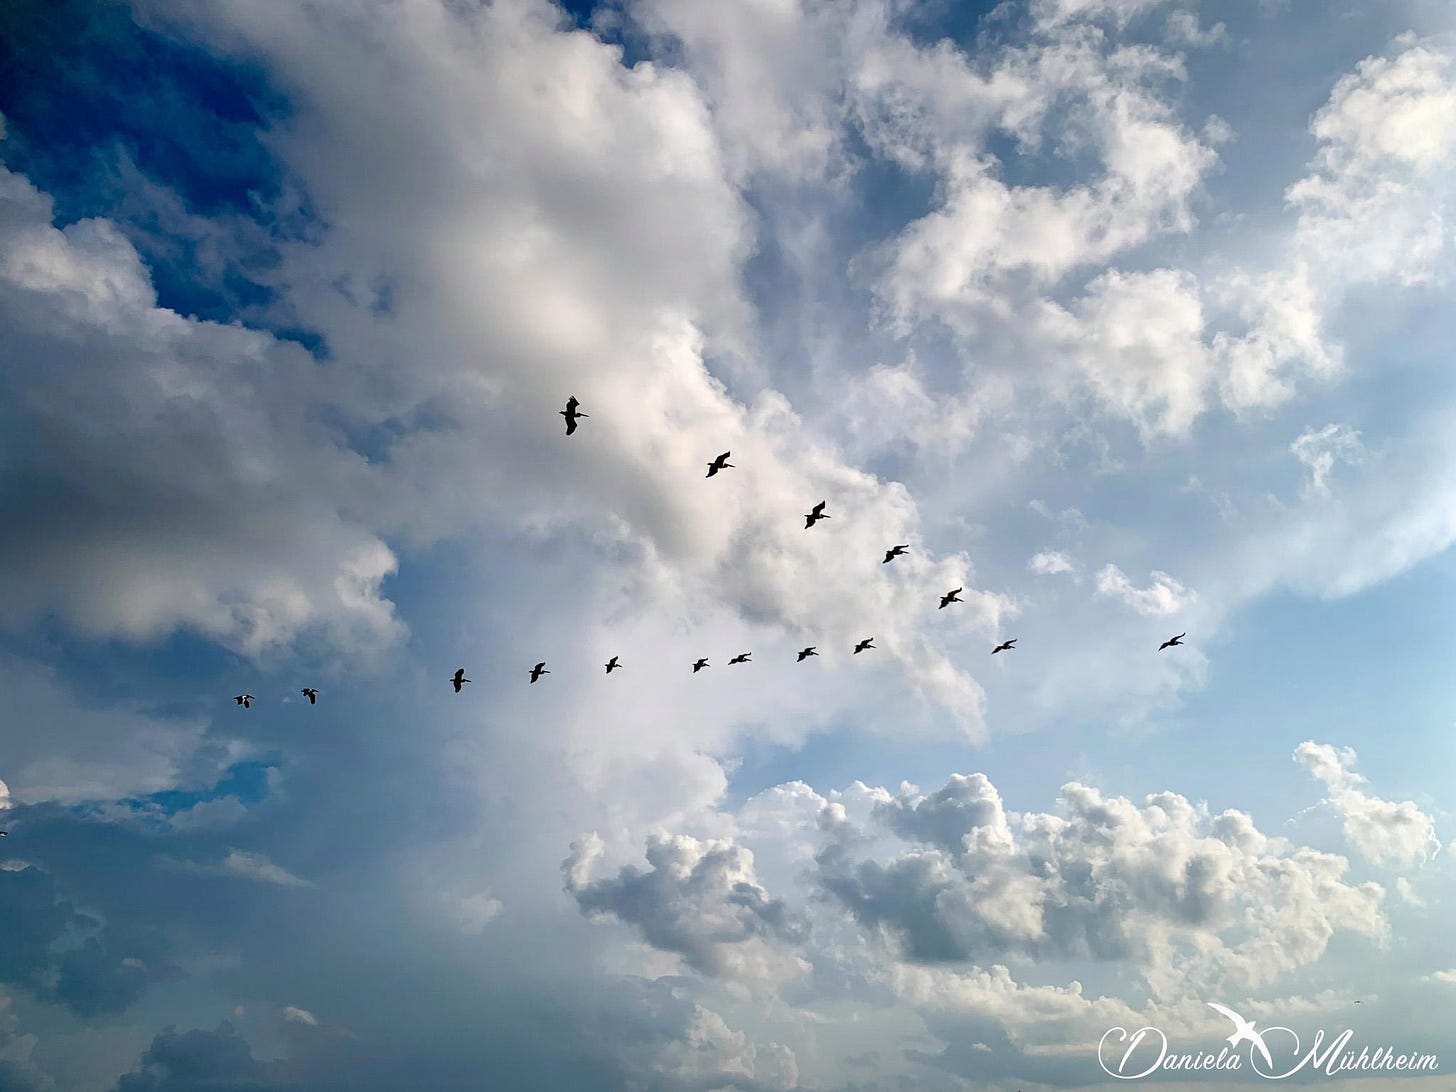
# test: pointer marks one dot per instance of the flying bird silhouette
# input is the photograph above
(245, 700)
(1004, 646)
(1171, 641)
(720, 463)
(311, 694)
(804, 654)
(612, 665)
(950, 597)
(866, 643)
(702, 663)
(1243, 1029)
(814, 516)
(572, 414)
(890, 555)
(458, 678)
(741, 658)
(539, 670)
(4, 834)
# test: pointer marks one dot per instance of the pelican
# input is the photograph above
(814, 516)
(571, 413)
(311, 694)
(700, 665)
(1004, 646)
(720, 463)
(539, 670)
(245, 700)
(866, 643)
(890, 555)
(1172, 641)
(950, 597)
(612, 665)
(741, 658)
(458, 678)
(804, 654)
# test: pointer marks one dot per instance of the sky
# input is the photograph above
(1128, 317)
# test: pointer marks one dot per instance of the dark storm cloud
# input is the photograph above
(47, 950)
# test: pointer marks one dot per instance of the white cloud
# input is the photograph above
(474, 912)
(1408, 894)
(1136, 341)
(956, 262)
(96, 753)
(1381, 831)
(700, 900)
(242, 865)
(1320, 449)
(1164, 596)
(1051, 562)
(186, 487)
(1182, 28)
(1444, 977)
(1374, 206)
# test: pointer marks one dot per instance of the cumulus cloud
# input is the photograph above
(1188, 899)
(954, 263)
(700, 900)
(1374, 205)
(163, 472)
(1381, 831)
(508, 213)
(1164, 596)
(318, 1056)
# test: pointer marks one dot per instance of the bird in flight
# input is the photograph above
(458, 678)
(6, 834)
(741, 658)
(866, 643)
(245, 700)
(1004, 646)
(814, 516)
(950, 597)
(1243, 1029)
(311, 694)
(700, 665)
(804, 654)
(539, 670)
(720, 463)
(1171, 641)
(612, 665)
(890, 555)
(571, 413)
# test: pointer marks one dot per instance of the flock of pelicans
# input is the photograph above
(573, 414)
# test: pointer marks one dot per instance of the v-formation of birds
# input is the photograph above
(573, 415)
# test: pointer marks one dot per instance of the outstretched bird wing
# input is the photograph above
(1235, 1017)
